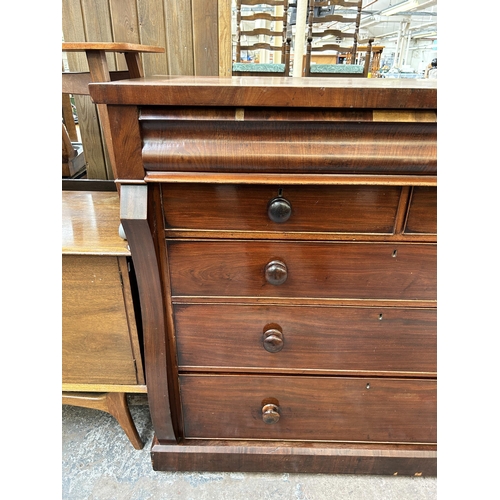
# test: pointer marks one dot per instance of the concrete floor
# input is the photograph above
(99, 463)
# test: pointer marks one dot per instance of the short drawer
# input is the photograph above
(422, 214)
(309, 408)
(336, 209)
(305, 339)
(304, 269)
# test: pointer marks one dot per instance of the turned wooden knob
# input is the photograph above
(273, 340)
(276, 272)
(279, 209)
(270, 414)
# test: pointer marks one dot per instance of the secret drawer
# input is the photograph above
(352, 209)
(305, 339)
(309, 408)
(303, 269)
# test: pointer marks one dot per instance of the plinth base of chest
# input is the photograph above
(306, 457)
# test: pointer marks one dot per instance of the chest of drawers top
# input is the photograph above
(268, 92)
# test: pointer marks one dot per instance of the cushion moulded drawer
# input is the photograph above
(309, 408)
(305, 339)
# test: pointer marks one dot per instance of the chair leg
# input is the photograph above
(114, 403)
(366, 69)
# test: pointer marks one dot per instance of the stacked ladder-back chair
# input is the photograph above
(325, 22)
(261, 26)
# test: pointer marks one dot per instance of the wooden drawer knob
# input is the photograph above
(279, 209)
(276, 272)
(273, 340)
(270, 414)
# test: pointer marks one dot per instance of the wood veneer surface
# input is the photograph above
(370, 209)
(311, 146)
(376, 93)
(422, 214)
(311, 408)
(90, 223)
(96, 342)
(315, 339)
(326, 270)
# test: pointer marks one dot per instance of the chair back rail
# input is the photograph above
(320, 30)
(252, 36)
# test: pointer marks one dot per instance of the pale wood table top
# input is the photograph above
(90, 222)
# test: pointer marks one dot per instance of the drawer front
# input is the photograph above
(262, 337)
(322, 270)
(422, 215)
(309, 408)
(353, 209)
(289, 146)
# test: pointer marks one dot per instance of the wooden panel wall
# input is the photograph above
(196, 35)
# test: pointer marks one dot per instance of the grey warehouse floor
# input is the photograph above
(99, 463)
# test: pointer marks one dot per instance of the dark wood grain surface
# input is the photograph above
(364, 209)
(329, 270)
(376, 93)
(311, 408)
(282, 456)
(135, 218)
(315, 339)
(311, 146)
(422, 214)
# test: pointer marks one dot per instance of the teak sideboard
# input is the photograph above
(101, 355)
(283, 232)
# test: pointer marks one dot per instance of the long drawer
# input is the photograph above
(323, 270)
(309, 408)
(288, 146)
(352, 209)
(305, 339)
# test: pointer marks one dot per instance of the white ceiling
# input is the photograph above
(409, 36)
(421, 19)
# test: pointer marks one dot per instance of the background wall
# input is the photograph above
(196, 35)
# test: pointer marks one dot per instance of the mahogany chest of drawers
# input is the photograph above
(283, 233)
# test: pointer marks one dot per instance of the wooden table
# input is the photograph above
(284, 236)
(100, 343)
